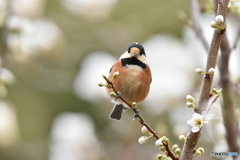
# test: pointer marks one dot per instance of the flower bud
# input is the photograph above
(201, 149)
(213, 25)
(215, 91)
(182, 138)
(134, 105)
(199, 71)
(109, 86)
(220, 91)
(112, 94)
(165, 139)
(178, 151)
(162, 148)
(101, 84)
(144, 130)
(143, 139)
(159, 143)
(219, 18)
(115, 74)
(211, 71)
(160, 157)
(190, 105)
(175, 146)
(198, 152)
(105, 77)
(190, 98)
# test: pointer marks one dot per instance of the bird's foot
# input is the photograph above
(136, 115)
(118, 95)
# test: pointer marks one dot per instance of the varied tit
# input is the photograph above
(134, 78)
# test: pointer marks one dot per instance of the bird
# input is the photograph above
(133, 80)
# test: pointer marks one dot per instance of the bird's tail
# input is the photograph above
(117, 111)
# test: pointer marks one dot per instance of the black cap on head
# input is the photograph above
(137, 45)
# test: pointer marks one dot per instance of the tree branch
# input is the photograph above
(195, 13)
(237, 37)
(192, 138)
(143, 122)
(230, 122)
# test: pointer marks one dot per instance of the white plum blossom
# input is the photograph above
(90, 9)
(197, 120)
(32, 36)
(7, 76)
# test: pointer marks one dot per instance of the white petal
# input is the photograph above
(203, 113)
(6, 76)
(190, 122)
(195, 115)
(208, 118)
(195, 129)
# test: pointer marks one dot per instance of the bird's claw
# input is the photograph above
(118, 95)
(136, 115)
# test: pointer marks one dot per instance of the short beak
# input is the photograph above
(134, 55)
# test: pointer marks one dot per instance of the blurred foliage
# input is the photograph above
(45, 80)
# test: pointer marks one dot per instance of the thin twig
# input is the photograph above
(237, 37)
(143, 122)
(195, 13)
(192, 138)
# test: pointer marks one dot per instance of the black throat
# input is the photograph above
(133, 61)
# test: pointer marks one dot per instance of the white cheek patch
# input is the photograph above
(125, 55)
(143, 59)
(128, 55)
